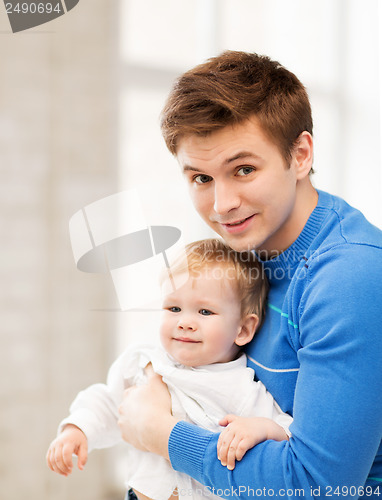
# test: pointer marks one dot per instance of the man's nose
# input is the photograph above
(226, 198)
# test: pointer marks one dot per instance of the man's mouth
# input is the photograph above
(238, 225)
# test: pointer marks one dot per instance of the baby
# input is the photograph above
(207, 319)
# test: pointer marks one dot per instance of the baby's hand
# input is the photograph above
(59, 455)
(243, 433)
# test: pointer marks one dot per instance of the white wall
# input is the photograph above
(57, 153)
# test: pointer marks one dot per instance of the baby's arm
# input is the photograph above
(70, 441)
(242, 433)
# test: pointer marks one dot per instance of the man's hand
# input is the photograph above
(145, 418)
(71, 441)
(243, 433)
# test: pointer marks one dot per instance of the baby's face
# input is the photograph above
(201, 320)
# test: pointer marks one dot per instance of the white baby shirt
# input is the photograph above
(201, 395)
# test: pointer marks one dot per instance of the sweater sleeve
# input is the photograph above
(337, 425)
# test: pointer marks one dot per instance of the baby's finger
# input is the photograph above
(220, 441)
(225, 440)
(243, 446)
(82, 456)
(226, 420)
(231, 454)
(49, 458)
(67, 457)
(59, 464)
(219, 448)
(52, 458)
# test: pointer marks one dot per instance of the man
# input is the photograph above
(240, 126)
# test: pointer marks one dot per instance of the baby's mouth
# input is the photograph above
(186, 339)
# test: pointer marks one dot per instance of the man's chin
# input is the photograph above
(237, 244)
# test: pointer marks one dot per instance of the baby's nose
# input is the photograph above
(187, 325)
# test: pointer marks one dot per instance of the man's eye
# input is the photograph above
(205, 312)
(174, 309)
(245, 171)
(202, 179)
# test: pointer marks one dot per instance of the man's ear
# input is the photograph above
(303, 155)
(247, 329)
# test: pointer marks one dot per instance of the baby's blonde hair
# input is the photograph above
(245, 271)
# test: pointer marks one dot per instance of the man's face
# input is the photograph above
(241, 186)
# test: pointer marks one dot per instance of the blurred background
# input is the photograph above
(80, 99)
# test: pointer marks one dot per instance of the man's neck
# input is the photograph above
(306, 202)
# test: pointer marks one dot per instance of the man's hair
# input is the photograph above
(239, 269)
(231, 88)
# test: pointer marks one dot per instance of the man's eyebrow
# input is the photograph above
(238, 156)
(242, 154)
(188, 167)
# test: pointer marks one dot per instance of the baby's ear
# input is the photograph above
(247, 329)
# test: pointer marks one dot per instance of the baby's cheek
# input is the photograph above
(164, 335)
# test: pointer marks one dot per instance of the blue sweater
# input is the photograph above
(319, 353)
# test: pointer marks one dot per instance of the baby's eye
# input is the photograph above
(205, 312)
(245, 171)
(174, 309)
(202, 179)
